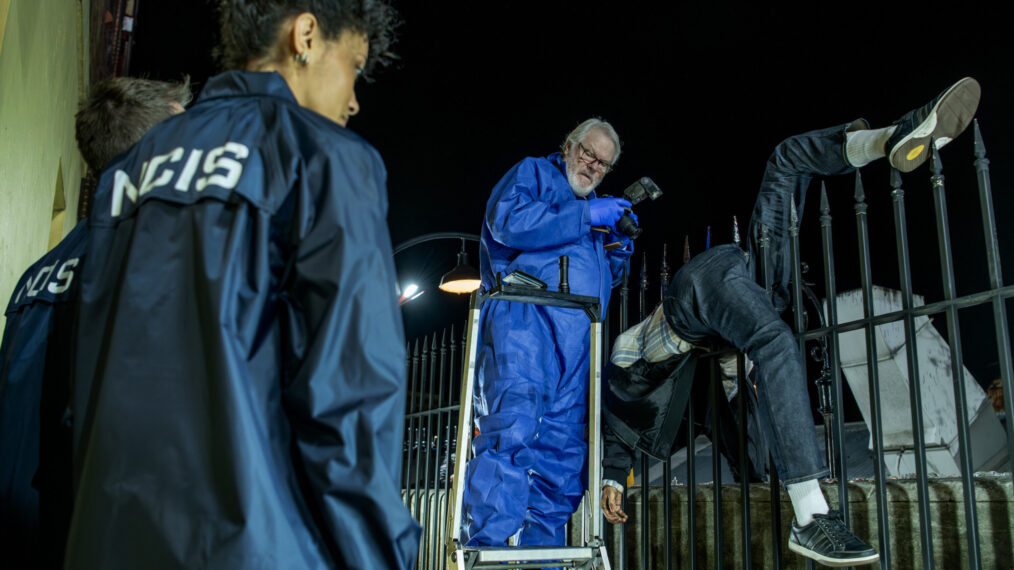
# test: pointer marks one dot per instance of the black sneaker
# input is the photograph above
(942, 119)
(828, 541)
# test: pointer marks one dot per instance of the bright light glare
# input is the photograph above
(412, 291)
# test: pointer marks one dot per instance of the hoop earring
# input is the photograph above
(302, 58)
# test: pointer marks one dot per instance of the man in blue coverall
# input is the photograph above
(528, 473)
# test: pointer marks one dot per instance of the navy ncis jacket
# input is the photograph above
(240, 388)
(34, 441)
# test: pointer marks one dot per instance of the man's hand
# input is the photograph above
(612, 501)
(605, 211)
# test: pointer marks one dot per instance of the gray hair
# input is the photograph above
(581, 131)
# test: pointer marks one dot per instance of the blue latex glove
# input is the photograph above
(605, 211)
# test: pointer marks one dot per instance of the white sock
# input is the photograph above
(807, 500)
(863, 147)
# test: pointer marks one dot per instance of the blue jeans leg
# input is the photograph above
(793, 164)
(714, 295)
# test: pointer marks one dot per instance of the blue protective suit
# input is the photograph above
(240, 378)
(34, 374)
(528, 471)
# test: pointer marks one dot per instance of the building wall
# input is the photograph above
(43, 67)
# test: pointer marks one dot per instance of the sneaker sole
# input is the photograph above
(834, 562)
(949, 117)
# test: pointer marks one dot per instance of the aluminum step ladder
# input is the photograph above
(591, 554)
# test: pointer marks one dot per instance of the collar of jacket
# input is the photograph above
(240, 83)
(557, 159)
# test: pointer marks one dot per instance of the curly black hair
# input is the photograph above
(249, 28)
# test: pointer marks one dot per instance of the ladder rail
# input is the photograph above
(593, 553)
(464, 443)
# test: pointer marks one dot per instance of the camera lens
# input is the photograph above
(628, 226)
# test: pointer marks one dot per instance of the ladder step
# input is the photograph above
(500, 554)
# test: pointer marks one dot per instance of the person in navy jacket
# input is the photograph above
(240, 383)
(35, 488)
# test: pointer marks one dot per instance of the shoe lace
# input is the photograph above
(835, 528)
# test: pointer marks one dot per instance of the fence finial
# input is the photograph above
(664, 273)
(978, 145)
(860, 194)
(644, 270)
(935, 165)
(895, 178)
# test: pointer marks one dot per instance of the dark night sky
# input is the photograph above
(700, 93)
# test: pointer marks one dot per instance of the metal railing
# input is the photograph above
(430, 436)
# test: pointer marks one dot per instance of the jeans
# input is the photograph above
(793, 164)
(714, 295)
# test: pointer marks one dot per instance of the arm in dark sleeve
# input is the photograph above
(345, 396)
(617, 458)
(520, 214)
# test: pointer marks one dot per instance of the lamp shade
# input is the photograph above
(463, 278)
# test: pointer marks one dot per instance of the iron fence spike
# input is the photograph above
(860, 194)
(979, 146)
(935, 164)
(895, 178)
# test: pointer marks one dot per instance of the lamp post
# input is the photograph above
(463, 278)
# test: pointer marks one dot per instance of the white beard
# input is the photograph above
(579, 190)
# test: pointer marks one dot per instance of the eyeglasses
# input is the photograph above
(589, 158)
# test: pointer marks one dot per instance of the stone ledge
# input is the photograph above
(994, 495)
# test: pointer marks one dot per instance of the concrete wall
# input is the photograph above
(994, 497)
(43, 64)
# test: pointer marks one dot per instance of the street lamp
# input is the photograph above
(463, 278)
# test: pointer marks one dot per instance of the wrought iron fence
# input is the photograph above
(435, 365)
(431, 424)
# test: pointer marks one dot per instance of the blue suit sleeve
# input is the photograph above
(617, 258)
(346, 392)
(526, 213)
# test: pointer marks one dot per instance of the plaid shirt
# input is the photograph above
(651, 339)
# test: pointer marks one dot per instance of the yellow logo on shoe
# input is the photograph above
(915, 152)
